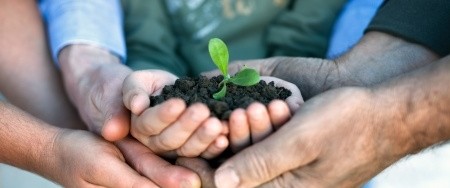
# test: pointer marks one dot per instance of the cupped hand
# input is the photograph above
(311, 75)
(150, 165)
(251, 125)
(170, 128)
(93, 79)
(332, 141)
(80, 159)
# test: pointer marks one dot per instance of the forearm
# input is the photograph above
(416, 107)
(29, 80)
(25, 142)
(377, 57)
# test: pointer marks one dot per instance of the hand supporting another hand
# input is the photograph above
(316, 138)
(93, 79)
(91, 162)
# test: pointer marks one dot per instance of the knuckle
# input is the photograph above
(183, 151)
(166, 144)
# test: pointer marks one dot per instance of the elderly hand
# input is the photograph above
(93, 79)
(330, 142)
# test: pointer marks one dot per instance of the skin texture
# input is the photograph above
(96, 84)
(90, 163)
(43, 100)
(377, 58)
(16, 68)
(396, 118)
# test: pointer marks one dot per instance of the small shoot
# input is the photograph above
(219, 54)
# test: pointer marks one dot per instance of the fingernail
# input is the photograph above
(226, 177)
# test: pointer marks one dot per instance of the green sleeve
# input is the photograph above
(423, 22)
(305, 29)
(151, 43)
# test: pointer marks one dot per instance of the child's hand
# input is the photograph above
(257, 122)
(170, 128)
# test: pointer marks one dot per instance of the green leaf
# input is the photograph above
(219, 54)
(245, 77)
(219, 95)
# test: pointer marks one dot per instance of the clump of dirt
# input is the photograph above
(201, 89)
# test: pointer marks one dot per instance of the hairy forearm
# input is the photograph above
(25, 142)
(377, 57)
(416, 107)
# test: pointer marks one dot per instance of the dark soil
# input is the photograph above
(201, 89)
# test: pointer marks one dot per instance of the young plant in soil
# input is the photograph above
(219, 54)
(224, 93)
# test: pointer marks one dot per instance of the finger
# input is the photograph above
(201, 167)
(261, 162)
(259, 121)
(117, 173)
(137, 102)
(201, 139)
(117, 123)
(154, 120)
(295, 100)
(216, 148)
(138, 86)
(225, 128)
(181, 129)
(158, 170)
(279, 113)
(239, 130)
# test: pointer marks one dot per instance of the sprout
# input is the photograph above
(219, 54)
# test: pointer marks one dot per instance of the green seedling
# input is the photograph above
(219, 54)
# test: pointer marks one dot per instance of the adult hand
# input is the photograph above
(91, 162)
(310, 75)
(384, 57)
(330, 142)
(93, 79)
(161, 172)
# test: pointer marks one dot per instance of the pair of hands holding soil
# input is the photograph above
(191, 125)
(174, 128)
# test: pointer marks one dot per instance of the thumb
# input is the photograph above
(267, 159)
(139, 85)
(117, 124)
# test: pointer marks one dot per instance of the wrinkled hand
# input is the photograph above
(311, 75)
(170, 128)
(93, 79)
(81, 159)
(253, 124)
(330, 142)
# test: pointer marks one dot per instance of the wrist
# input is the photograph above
(380, 56)
(48, 158)
(395, 138)
(78, 62)
(77, 59)
(311, 75)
